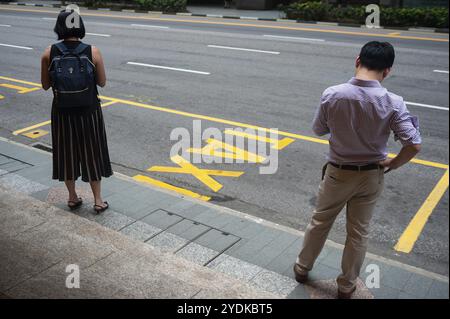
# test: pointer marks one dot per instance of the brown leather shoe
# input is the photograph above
(345, 295)
(299, 276)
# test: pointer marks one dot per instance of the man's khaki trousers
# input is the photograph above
(359, 190)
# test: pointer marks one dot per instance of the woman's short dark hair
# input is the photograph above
(377, 55)
(67, 27)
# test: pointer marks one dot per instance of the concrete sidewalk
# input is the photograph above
(160, 245)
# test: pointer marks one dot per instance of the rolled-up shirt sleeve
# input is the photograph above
(320, 126)
(405, 126)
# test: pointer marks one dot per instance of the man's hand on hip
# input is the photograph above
(406, 154)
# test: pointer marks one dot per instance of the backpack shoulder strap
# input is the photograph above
(80, 48)
(61, 47)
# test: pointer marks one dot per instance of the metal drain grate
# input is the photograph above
(42, 147)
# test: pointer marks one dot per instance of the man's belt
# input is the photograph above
(367, 167)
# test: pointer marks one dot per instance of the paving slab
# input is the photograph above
(140, 231)
(21, 184)
(217, 240)
(162, 219)
(197, 254)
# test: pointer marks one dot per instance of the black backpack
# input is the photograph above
(72, 76)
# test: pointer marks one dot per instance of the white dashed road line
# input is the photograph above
(149, 26)
(292, 38)
(168, 68)
(440, 71)
(241, 49)
(428, 106)
(99, 34)
(15, 46)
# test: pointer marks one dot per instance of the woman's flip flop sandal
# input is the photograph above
(75, 204)
(100, 208)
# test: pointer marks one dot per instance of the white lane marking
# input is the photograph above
(435, 107)
(149, 26)
(15, 46)
(168, 68)
(292, 38)
(440, 71)
(99, 34)
(50, 19)
(241, 49)
(5, 25)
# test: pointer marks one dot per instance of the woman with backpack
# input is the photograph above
(73, 70)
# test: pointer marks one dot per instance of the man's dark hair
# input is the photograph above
(377, 56)
(64, 31)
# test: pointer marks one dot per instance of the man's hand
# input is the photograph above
(389, 164)
(406, 154)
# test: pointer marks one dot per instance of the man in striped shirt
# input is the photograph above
(359, 116)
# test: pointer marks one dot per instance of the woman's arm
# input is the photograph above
(45, 62)
(99, 67)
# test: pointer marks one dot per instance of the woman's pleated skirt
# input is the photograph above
(80, 146)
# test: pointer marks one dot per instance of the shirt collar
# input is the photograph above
(365, 83)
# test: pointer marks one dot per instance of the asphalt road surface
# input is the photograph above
(171, 70)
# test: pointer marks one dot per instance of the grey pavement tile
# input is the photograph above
(273, 249)
(332, 258)
(192, 212)
(235, 267)
(326, 250)
(23, 153)
(41, 195)
(251, 230)
(4, 160)
(2, 172)
(236, 246)
(197, 254)
(134, 189)
(404, 295)
(138, 210)
(395, 277)
(438, 290)
(177, 205)
(274, 283)
(237, 225)
(385, 292)
(111, 219)
(140, 231)
(37, 172)
(299, 292)
(115, 184)
(21, 184)
(14, 166)
(256, 244)
(188, 229)
(418, 286)
(286, 258)
(217, 240)
(207, 215)
(323, 272)
(215, 219)
(162, 219)
(167, 242)
(117, 202)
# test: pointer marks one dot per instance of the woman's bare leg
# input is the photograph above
(97, 191)
(72, 192)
